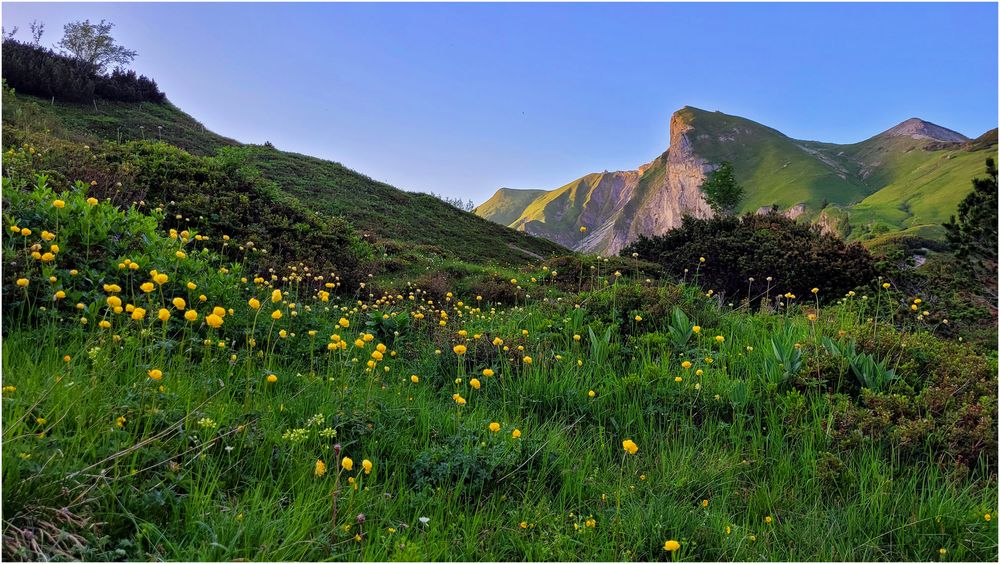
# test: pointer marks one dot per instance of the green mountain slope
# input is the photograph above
(907, 180)
(375, 209)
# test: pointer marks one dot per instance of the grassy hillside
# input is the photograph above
(369, 206)
(919, 184)
(507, 205)
(774, 169)
(191, 410)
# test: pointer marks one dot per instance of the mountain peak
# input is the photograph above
(917, 128)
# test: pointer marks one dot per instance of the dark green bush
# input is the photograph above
(796, 256)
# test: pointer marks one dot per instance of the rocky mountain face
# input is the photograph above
(909, 177)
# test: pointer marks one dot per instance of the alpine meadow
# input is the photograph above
(752, 348)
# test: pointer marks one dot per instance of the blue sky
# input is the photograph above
(462, 99)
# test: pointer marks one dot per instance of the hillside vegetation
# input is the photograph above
(371, 208)
(161, 401)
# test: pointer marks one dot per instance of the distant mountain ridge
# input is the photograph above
(907, 179)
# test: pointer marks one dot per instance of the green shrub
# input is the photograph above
(796, 257)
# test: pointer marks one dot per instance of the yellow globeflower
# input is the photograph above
(138, 313)
(474, 383)
(347, 463)
(459, 349)
(155, 374)
(163, 314)
(414, 378)
(516, 433)
(214, 321)
(59, 204)
(276, 314)
(344, 323)
(630, 446)
(191, 315)
(526, 360)
(487, 372)
(254, 303)
(367, 465)
(147, 287)
(92, 201)
(494, 426)
(271, 378)
(276, 296)
(22, 282)
(671, 546)
(179, 303)
(320, 469)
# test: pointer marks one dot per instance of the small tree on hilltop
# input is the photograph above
(93, 45)
(721, 190)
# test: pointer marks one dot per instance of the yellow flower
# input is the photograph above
(583, 229)
(155, 374)
(271, 378)
(104, 324)
(92, 201)
(276, 296)
(886, 285)
(516, 433)
(276, 314)
(414, 378)
(591, 393)
(214, 321)
(163, 314)
(367, 465)
(22, 282)
(180, 255)
(179, 303)
(254, 303)
(638, 318)
(527, 360)
(459, 349)
(347, 463)
(344, 323)
(678, 379)
(138, 313)
(719, 338)
(320, 469)
(191, 315)
(768, 519)
(458, 399)
(672, 545)
(147, 287)
(630, 446)
(59, 204)
(161, 279)
(704, 503)
(487, 372)
(686, 364)
(474, 383)
(494, 426)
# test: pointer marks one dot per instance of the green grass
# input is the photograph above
(741, 462)
(372, 207)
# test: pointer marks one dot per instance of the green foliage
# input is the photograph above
(776, 252)
(974, 232)
(788, 354)
(38, 71)
(722, 192)
(680, 332)
(871, 374)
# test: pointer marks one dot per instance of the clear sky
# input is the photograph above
(462, 99)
